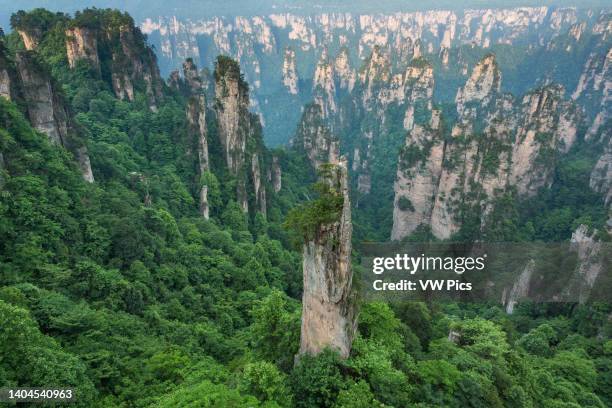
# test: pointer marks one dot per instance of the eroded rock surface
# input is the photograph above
(328, 309)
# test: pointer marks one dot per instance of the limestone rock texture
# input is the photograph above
(46, 112)
(30, 82)
(376, 70)
(5, 84)
(328, 309)
(345, 73)
(546, 124)
(175, 80)
(290, 74)
(198, 134)
(420, 163)
(259, 189)
(324, 86)
(8, 76)
(131, 64)
(30, 37)
(240, 134)
(591, 254)
(82, 156)
(498, 143)
(520, 288)
(259, 43)
(192, 77)
(277, 174)
(482, 85)
(196, 118)
(435, 30)
(82, 44)
(594, 88)
(232, 104)
(415, 187)
(601, 176)
(314, 137)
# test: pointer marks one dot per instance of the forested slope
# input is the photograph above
(120, 287)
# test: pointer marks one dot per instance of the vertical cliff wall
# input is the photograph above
(497, 143)
(314, 138)
(7, 73)
(449, 38)
(45, 111)
(290, 74)
(594, 88)
(276, 175)
(192, 77)
(601, 177)
(593, 261)
(82, 44)
(328, 311)
(198, 140)
(240, 134)
(5, 83)
(520, 288)
(420, 163)
(132, 66)
(46, 108)
(232, 102)
(324, 86)
(31, 38)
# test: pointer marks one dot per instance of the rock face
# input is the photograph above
(7, 74)
(232, 95)
(259, 41)
(369, 101)
(45, 106)
(345, 74)
(258, 188)
(481, 87)
(594, 89)
(276, 175)
(198, 133)
(497, 144)
(546, 124)
(420, 163)
(133, 65)
(591, 262)
(174, 80)
(290, 75)
(416, 185)
(240, 133)
(82, 44)
(601, 177)
(328, 310)
(46, 112)
(437, 30)
(31, 38)
(82, 156)
(192, 77)
(324, 88)
(314, 137)
(376, 71)
(580, 283)
(5, 84)
(520, 289)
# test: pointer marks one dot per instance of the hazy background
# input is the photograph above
(141, 9)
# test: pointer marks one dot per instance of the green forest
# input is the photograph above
(121, 290)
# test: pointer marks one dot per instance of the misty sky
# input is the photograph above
(141, 9)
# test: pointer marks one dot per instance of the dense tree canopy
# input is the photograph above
(123, 291)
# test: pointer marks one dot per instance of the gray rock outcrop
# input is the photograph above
(328, 309)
